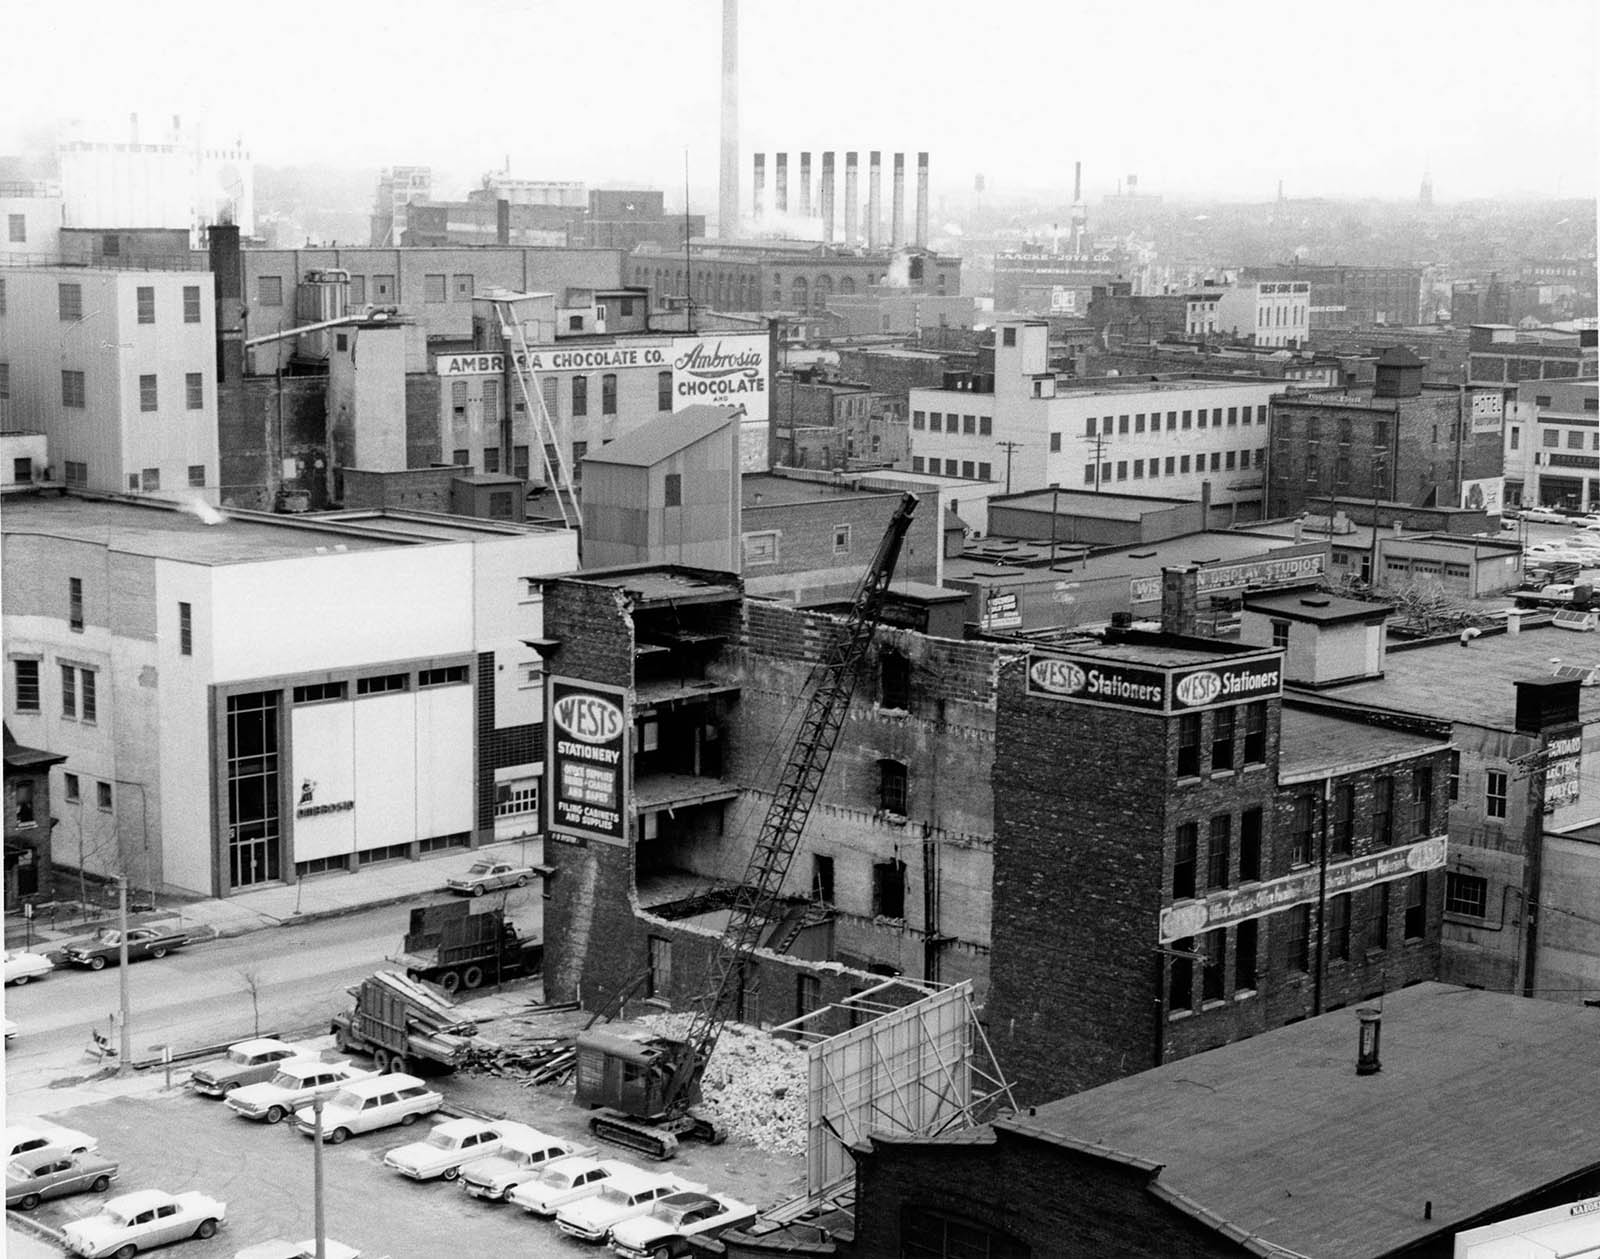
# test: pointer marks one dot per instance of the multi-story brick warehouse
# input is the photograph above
(1352, 297)
(1186, 860)
(1399, 441)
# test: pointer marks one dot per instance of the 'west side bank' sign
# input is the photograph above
(1222, 577)
(729, 369)
(1221, 909)
(1096, 680)
(588, 751)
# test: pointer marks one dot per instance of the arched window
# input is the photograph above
(822, 292)
(847, 286)
(800, 292)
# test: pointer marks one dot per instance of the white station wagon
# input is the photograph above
(380, 1101)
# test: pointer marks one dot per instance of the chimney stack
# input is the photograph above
(1367, 1047)
(874, 199)
(728, 185)
(851, 236)
(781, 180)
(1077, 182)
(922, 201)
(805, 185)
(897, 213)
(827, 197)
(1180, 600)
(760, 190)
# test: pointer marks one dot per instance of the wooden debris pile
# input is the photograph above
(539, 1060)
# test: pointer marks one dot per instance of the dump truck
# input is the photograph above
(1578, 596)
(400, 1024)
(453, 947)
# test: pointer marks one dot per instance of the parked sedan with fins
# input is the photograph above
(520, 1158)
(295, 1083)
(106, 946)
(33, 1135)
(248, 1062)
(564, 1181)
(143, 1220)
(452, 1143)
(277, 1248)
(490, 876)
(21, 966)
(622, 1197)
(664, 1231)
(51, 1172)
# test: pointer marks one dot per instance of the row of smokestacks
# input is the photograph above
(871, 225)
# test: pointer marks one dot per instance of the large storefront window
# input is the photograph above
(255, 848)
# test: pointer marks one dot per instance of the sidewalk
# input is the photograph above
(321, 896)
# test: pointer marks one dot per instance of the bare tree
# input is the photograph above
(251, 978)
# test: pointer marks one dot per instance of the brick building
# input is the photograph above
(28, 813)
(1401, 440)
(1351, 297)
(823, 423)
(1552, 447)
(1190, 861)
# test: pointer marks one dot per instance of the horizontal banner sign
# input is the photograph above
(1218, 578)
(1095, 680)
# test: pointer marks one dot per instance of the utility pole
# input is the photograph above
(320, 1223)
(125, 1047)
(1009, 448)
(1099, 443)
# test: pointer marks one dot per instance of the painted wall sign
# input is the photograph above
(1485, 494)
(1227, 684)
(1001, 610)
(551, 359)
(1563, 774)
(588, 755)
(1221, 909)
(1093, 680)
(1286, 570)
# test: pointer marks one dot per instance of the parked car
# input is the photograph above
(664, 1231)
(380, 1101)
(1542, 515)
(448, 1146)
(490, 876)
(565, 1181)
(248, 1062)
(22, 966)
(51, 1172)
(21, 1138)
(277, 1248)
(294, 1084)
(622, 1197)
(142, 1220)
(11, 1031)
(521, 1157)
(107, 946)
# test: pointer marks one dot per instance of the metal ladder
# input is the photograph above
(558, 474)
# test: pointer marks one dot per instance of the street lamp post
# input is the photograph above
(125, 1048)
(316, 1178)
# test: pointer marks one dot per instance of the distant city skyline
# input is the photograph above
(1222, 101)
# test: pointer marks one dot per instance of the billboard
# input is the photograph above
(588, 749)
(1488, 409)
(1487, 494)
(1288, 570)
(1119, 684)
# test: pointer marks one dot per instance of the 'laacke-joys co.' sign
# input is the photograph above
(588, 760)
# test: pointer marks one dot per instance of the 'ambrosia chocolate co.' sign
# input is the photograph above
(1094, 680)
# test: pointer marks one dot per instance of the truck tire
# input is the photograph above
(342, 1041)
(399, 1065)
(450, 981)
(472, 977)
(380, 1060)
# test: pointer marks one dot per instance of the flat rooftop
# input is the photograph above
(1080, 503)
(1476, 685)
(1318, 745)
(1143, 560)
(652, 585)
(1161, 653)
(1480, 1101)
(780, 491)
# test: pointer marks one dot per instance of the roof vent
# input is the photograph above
(1140, 555)
(1316, 601)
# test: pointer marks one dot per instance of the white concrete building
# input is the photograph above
(1552, 444)
(1166, 437)
(1265, 312)
(119, 370)
(271, 698)
(32, 214)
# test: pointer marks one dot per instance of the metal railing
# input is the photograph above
(194, 260)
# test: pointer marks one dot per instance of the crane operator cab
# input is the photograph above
(628, 1070)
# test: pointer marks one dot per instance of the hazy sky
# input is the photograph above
(1220, 98)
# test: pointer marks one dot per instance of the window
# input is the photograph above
(69, 300)
(1189, 745)
(892, 787)
(664, 394)
(1416, 906)
(894, 679)
(1383, 811)
(1246, 948)
(1455, 776)
(191, 303)
(950, 468)
(145, 302)
(1494, 802)
(461, 458)
(185, 629)
(916, 463)
(320, 692)
(147, 393)
(1138, 422)
(1466, 894)
(968, 470)
(1122, 469)
(841, 539)
(672, 490)
(150, 479)
(1214, 969)
(1122, 424)
(985, 470)
(1183, 464)
(1183, 861)
(889, 889)
(1180, 976)
(574, 323)
(807, 995)
(1200, 418)
(516, 798)
(194, 388)
(102, 796)
(1550, 437)
(1422, 800)
(72, 390)
(1088, 474)
(1299, 923)
(1219, 843)
(433, 288)
(75, 603)
(1300, 830)
(985, 426)
(1344, 820)
(1008, 336)
(1055, 442)
(580, 395)
(111, 246)
(1255, 733)
(822, 879)
(77, 473)
(935, 421)
(25, 685)
(17, 226)
(919, 419)
(384, 683)
(70, 788)
(5, 380)
(658, 980)
(1379, 931)
(608, 394)
(1223, 722)
(269, 290)
(761, 548)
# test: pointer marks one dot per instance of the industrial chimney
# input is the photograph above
(781, 180)
(922, 201)
(897, 212)
(805, 185)
(760, 191)
(827, 197)
(851, 236)
(874, 199)
(728, 184)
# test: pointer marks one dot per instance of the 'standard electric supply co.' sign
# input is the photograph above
(1090, 680)
(588, 750)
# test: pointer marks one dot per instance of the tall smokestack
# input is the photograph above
(805, 185)
(781, 180)
(874, 199)
(922, 201)
(759, 192)
(827, 197)
(851, 236)
(897, 213)
(728, 184)
(1077, 182)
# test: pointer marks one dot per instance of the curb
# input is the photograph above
(25, 1222)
